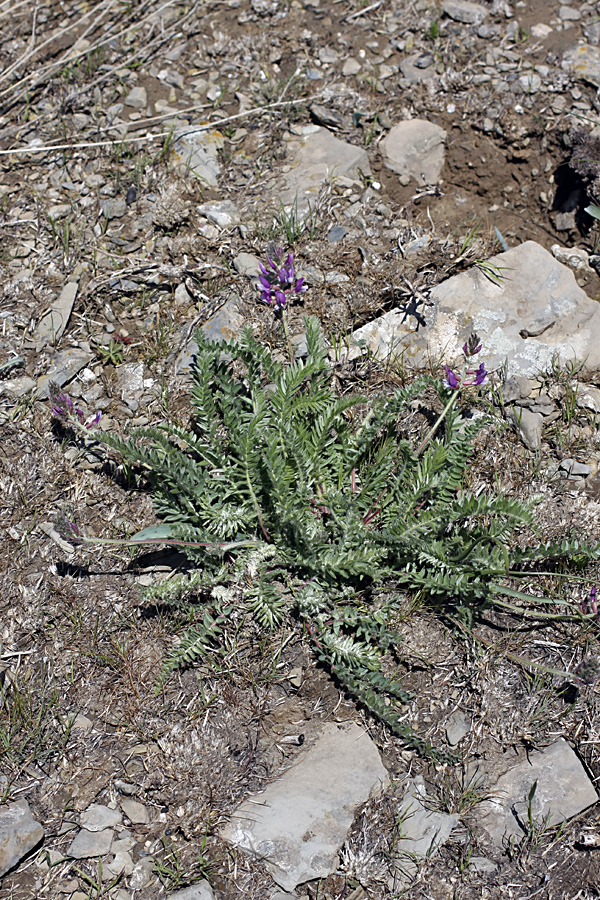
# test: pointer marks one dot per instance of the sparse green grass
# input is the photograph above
(33, 728)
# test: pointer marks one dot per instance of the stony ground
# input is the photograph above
(102, 216)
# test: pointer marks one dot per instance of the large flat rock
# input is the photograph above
(315, 158)
(532, 313)
(415, 147)
(19, 833)
(562, 790)
(297, 825)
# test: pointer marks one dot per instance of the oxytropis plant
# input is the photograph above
(296, 505)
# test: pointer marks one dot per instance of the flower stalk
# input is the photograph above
(278, 286)
(454, 382)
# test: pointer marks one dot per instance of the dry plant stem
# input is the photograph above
(520, 660)
(169, 542)
(541, 615)
(258, 110)
(38, 76)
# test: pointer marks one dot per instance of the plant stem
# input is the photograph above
(287, 335)
(437, 423)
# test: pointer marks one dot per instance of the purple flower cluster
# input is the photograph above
(63, 408)
(68, 529)
(278, 281)
(470, 377)
(592, 605)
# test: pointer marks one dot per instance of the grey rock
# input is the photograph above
(418, 245)
(195, 150)
(482, 865)
(565, 221)
(336, 234)
(137, 98)
(464, 11)
(385, 337)
(247, 264)
(583, 61)
(91, 843)
(225, 325)
(19, 833)
(17, 387)
(136, 812)
(82, 723)
(489, 31)
(563, 791)
(574, 469)
(588, 397)
(569, 14)
(122, 862)
(298, 823)
(530, 426)
(516, 388)
(457, 727)
(98, 817)
(423, 60)
(60, 211)
(541, 404)
(222, 212)
(53, 323)
(351, 67)
(325, 116)
(315, 158)
(532, 314)
(227, 322)
(64, 366)
(414, 73)
(422, 830)
(530, 82)
(416, 148)
(114, 208)
(535, 294)
(200, 891)
(124, 844)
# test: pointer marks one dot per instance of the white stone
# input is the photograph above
(351, 67)
(222, 212)
(465, 11)
(540, 30)
(530, 82)
(297, 825)
(528, 309)
(573, 257)
(415, 147)
(569, 14)
(247, 264)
